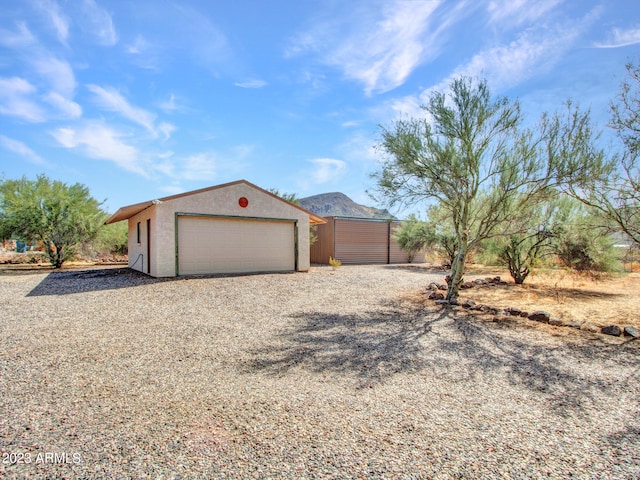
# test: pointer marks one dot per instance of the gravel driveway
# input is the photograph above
(112, 374)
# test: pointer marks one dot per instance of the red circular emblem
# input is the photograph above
(243, 202)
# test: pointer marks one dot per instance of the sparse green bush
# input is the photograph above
(413, 236)
(588, 254)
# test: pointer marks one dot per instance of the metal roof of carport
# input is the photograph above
(129, 211)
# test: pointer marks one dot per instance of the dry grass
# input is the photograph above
(601, 301)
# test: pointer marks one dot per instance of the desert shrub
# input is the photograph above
(413, 236)
(334, 263)
(587, 253)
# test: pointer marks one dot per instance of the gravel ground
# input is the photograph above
(112, 374)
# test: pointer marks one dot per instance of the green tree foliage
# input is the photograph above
(471, 154)
(445, 238)
(610, 183)
(289, 197)
(111, 239)
(580, 241)
(527, 242)
(413, 236)
(57, 215)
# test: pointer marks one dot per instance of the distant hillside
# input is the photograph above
(336, 204)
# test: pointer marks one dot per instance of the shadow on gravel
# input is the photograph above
(91, 280)
(563, 375)
(372, 346)
(376, 345)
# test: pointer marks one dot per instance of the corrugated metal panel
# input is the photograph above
(396, 255)
(361, 241)
(213, 245)
(322, 249)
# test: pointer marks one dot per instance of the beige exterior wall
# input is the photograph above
(138, 259)
(217, 201)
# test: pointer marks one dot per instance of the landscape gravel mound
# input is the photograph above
(326, 374)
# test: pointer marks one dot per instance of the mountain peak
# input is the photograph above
(337, 204)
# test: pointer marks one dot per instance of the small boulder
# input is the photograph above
(556, 321)
(614, 330)
(589, 327)
(630, 331)
(432, 286)
(454, 301)
(540, 316)
(572, 324)
(436, 296)
(467, 285)
(468, 304)
(442, 286)
(513, 311)
(442, 302)
(479, 281)
(524, 314)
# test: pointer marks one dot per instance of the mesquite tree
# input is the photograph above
(472, 155)
(57, 215)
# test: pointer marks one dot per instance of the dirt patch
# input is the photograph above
(565, 295)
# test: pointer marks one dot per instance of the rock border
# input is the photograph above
(434, 293)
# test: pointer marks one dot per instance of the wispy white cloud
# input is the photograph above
(170, 105)
(196, 167)
(535, 50)
(16, 101)
(19, 39)
(98, 22)
(99, 141)
(251, 84)
(57, 73)
(112, 100)
(144, 54)
(140, 45)
(621, 38)
(59, 21)
(511, 13)
(166, 129)
(200, 166)
(21, 149)
(68, 108)
(380, 48)
(326, 169)
(198, 35)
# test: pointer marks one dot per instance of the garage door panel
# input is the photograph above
(212, 245)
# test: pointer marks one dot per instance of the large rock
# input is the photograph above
(614, 330)
(631, 332)
(540, 316)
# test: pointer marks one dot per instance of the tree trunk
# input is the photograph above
(457, 269)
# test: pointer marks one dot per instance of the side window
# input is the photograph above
(138, 232)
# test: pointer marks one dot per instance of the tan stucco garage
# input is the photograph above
(232, 228)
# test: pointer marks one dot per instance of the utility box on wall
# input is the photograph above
(357, 241)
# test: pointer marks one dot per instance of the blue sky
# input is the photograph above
(140, 100)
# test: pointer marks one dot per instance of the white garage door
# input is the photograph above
(220, 245)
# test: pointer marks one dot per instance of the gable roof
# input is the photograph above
(129, 211)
